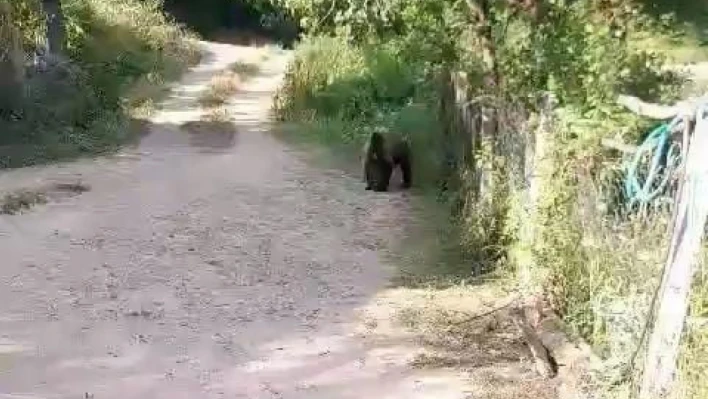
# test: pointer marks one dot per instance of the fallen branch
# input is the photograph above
(642, 108)
(484, 314)
(685, 108)
(545, 365)
(575, 358)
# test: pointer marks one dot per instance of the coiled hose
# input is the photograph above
(652, 167)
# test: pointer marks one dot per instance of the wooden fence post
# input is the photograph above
(536, 168)
(690, 215)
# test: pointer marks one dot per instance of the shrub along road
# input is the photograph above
(215, 265)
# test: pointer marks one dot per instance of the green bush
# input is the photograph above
(117, 51)
(597, 265)
(338, 92)
(121, 41)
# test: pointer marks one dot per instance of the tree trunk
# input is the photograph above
(55, 26)
(11, 63)
(481, 12)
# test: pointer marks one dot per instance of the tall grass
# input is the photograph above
(605, 284)
(694, 356)
(336, 93)
(120, 54)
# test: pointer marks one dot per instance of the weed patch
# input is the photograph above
(221, 87)
(246, 70)
(23, 200)
(337, 93)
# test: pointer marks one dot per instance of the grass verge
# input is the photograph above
(120, 54)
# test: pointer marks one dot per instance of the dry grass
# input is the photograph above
(457, 322)
(126, 32)
(454, 325)
(216, 128)
(694, 359)
(246, 70)
(226, 83)
(445, 327)
(22, 200)
(221, 87)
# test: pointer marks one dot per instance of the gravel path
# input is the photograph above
(193, 268)
(221, 266)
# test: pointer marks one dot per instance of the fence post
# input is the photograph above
(536, 169)
(688, 227)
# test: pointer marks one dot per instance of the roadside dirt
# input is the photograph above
(228, 267)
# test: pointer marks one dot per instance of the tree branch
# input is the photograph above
(657, 111)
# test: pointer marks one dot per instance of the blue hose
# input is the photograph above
(655, 161)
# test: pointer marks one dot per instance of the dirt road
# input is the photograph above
(221, 267)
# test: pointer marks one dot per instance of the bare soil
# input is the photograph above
(228, 267)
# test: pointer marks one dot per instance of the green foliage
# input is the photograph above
(581, 60)
(341, 92)
(26, 18)
(597, 267)
(378, 66)
(678, 29)
(317, 64)
(422, 31)
(352, 18)
(215, 17)
(119, 42)
(11, 60)
(113, 47)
